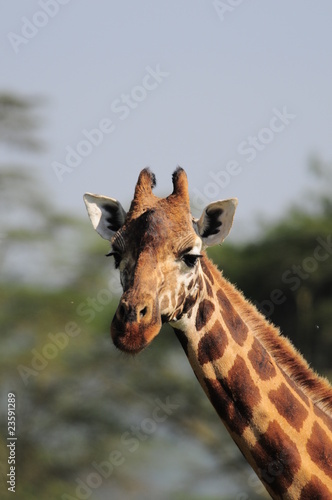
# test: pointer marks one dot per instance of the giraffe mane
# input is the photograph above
(288, 358)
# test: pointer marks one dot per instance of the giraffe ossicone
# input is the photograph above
(277, 410)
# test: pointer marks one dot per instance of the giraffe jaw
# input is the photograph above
(131, 337)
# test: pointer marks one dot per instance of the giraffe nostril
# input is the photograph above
(143, 312)
(131, 313)
(122, 311)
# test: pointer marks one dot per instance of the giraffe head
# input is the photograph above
(157, 247)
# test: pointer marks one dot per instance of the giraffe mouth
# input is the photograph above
(131, 337)
(128, 347)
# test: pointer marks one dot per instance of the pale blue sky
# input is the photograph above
(221, 83)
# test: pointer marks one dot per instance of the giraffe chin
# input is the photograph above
(131, 337)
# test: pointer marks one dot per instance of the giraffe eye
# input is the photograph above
(190, 259)
(117, 258)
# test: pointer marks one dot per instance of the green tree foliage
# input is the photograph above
(19, 122)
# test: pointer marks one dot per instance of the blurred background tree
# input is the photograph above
(78, 400)
(19, 122)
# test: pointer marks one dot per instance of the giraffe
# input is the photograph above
(276, 409)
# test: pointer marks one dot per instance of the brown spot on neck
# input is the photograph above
(314, 489)
(319, 448)
(297, 389)
(277, 459)
(204, 313)
(213, 344)
(208, 289)
(288, 406)
(261, 361)
(237, 328)
(235, 396)
(320, 414)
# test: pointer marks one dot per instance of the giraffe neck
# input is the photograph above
(275, 408)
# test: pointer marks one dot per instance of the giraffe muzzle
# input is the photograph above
(135, 325)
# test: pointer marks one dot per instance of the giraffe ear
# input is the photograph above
(106, 214)
(216, 221)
